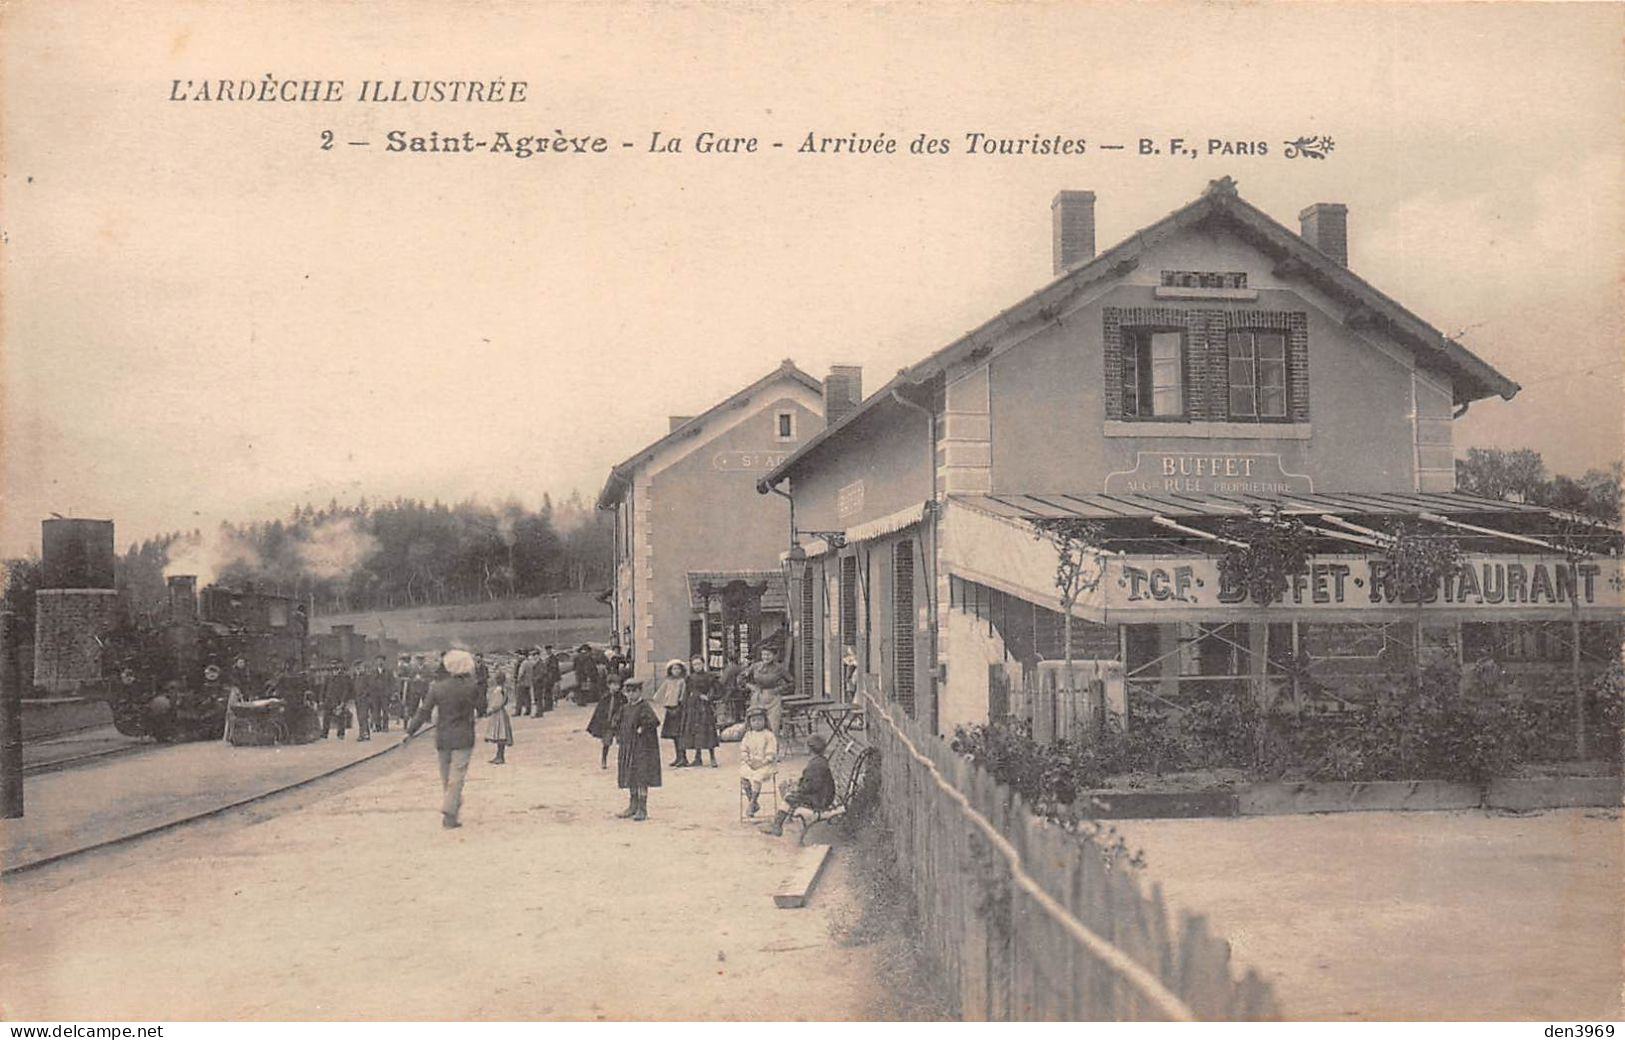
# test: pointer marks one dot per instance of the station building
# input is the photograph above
(697, 551)
(1212, 365)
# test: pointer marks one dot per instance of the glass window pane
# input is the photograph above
(1241, 401)
(1272, 374)
(1273, 402)
(1167, 374)
(1131, 374)
(1241, 372)
(1271, 345)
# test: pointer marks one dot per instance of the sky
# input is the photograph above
(204, 315)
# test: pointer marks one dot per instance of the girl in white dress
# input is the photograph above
(758, 757)
(498, 727)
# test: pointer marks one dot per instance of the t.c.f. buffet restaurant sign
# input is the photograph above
(1519, 585)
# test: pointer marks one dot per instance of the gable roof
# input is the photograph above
(1471, 376)
(620, 475)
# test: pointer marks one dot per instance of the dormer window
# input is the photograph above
(784, 426)
(1153, 374)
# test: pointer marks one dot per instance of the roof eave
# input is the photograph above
(779, 473)
(620, 475)
(1482, 380)
(614, 489)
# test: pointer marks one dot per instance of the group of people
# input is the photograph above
(370, 692)
(688, 706)
(465, 687)
(366, 689)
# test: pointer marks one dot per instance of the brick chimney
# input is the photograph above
(1073, 216)
(1326, 227)
(843, 392)
(676, 421)
(183, 596)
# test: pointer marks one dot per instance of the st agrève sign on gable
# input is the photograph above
(1207, 472)
(748, 461)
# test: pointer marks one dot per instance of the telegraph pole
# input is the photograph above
(11, 721)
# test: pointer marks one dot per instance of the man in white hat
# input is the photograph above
(458, 699)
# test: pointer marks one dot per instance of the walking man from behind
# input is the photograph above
(457, 699)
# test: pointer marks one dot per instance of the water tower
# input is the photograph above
(76, 604)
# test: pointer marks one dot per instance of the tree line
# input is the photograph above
(1520, 476)
(400, 553)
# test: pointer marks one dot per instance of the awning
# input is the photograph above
(1007, 554)
(1100, 506)
(1179, 522)
(1158, 557)
(774, 593)
(889, 524)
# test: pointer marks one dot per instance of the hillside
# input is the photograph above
(490, 626)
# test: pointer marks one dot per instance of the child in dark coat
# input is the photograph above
(698, 725)
(814, 790)
(639, 762)
(606, 716)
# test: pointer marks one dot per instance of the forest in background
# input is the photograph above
(401, 553)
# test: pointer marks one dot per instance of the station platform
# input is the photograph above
(126, 792)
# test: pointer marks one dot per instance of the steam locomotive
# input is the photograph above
(220, 661)
(176, 677)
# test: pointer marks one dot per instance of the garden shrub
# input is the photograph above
(1427, 725)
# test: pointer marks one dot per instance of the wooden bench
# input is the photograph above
(850, 763)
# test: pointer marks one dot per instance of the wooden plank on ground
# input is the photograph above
(797, 888)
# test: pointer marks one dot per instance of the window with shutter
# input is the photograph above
(903, 624)
(849, 601)
(807, 650)
(1153, 374)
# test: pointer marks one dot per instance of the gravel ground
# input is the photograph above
(1427, 915)
(157, 784)
(355, 904)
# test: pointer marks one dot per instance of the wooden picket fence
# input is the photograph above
(1059, 714)
(1025, 921)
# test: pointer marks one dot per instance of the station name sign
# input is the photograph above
(1344, 583)
(1207, 472)
(748, 461)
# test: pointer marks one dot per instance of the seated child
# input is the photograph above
(758, 757)
(815, 789)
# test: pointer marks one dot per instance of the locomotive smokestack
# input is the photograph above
(183, 596)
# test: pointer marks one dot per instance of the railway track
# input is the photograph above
(77, 748)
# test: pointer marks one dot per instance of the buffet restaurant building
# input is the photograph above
(1210, 367)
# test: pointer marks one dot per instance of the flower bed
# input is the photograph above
(1431, 727)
